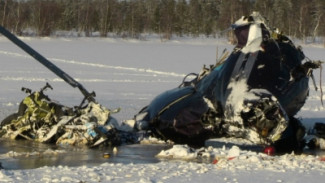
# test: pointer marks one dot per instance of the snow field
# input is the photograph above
(129, 74)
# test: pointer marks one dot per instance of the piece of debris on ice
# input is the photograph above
(178, 152)
(154, 140)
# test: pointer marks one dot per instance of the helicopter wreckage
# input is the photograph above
(251, 93)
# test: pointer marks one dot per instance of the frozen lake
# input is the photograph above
(123, 73)
(30, 155)
(126, 74)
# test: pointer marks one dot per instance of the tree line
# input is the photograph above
(131, 18)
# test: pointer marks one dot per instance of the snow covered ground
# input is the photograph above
(128, 74)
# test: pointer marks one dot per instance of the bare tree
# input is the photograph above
(298, 18)
(317, 14)
(4, 12)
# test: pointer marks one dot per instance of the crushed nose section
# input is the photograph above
(265, 115)
(256, 116)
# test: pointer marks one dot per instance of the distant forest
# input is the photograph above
(130, 18)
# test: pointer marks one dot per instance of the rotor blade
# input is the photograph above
(47, 63)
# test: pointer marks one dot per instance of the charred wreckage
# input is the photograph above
(252, 93)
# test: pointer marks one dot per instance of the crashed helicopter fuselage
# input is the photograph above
(253, 94)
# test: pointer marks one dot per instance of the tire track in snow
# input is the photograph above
(74, 62)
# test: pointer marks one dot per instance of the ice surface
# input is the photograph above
(128, 74)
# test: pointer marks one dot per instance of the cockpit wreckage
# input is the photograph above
(252, 93)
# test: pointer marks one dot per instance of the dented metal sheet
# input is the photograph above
(43, 120)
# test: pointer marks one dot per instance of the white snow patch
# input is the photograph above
(254, 39)
(178, 152)
(237, 96)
